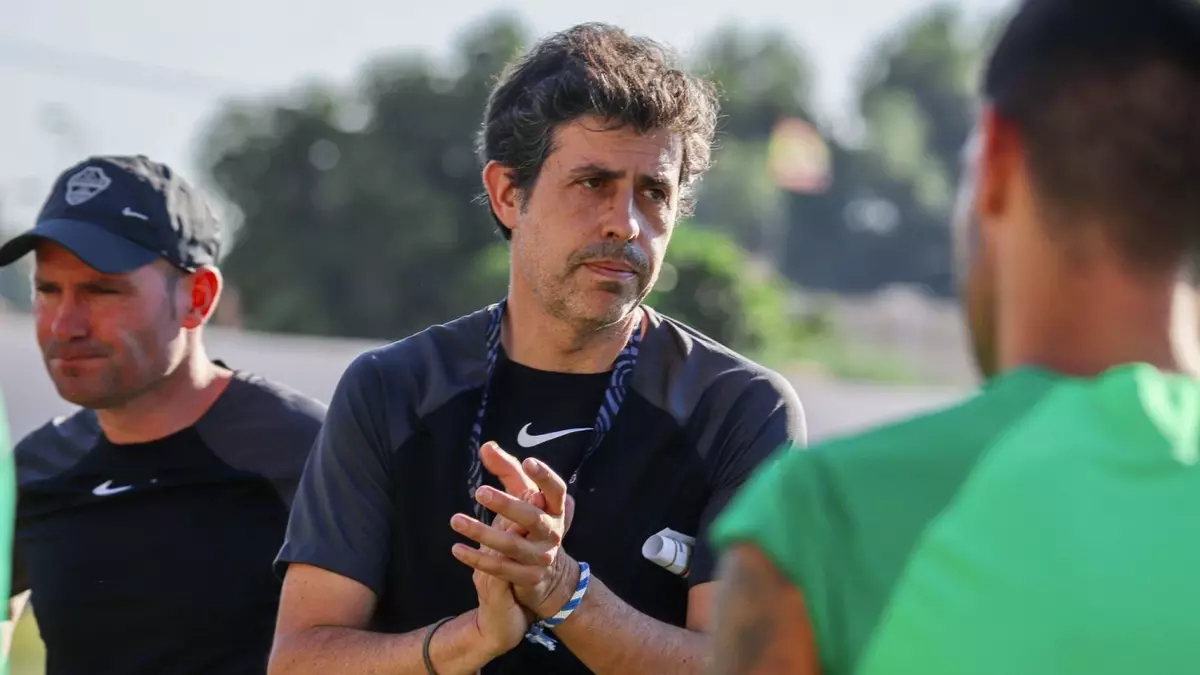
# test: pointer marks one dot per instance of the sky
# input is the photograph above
(82, 77)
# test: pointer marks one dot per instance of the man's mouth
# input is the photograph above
(613, 269)
(72, 358)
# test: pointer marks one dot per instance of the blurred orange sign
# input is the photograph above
(798, 157)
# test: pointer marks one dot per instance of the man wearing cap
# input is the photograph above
(147, 521)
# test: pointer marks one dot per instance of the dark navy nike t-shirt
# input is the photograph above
(390, 467)
(155, 558)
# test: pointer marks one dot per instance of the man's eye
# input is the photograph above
(591, 183)
(657, 195)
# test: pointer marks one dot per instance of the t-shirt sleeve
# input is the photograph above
(765, 419)
(340, 519)
(777, 512)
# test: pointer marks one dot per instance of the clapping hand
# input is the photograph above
(500, 619)
(523, 545)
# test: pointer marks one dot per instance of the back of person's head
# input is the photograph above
(596, 70)
(1106, 97)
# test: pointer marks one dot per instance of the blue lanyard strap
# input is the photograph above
(614, 396)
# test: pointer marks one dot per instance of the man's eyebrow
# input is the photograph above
(118, 282)
(597, 170)
(656, 180)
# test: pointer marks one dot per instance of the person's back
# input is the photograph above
(1074, 533)
(1046, 525)
(1037, 511)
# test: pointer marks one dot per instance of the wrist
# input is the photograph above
(458, 646)
(479, 648)
(566, 578)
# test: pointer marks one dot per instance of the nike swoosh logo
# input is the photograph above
(106, 489)
(528, 440)
(134, 214)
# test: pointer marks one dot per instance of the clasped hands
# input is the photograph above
(521, 572)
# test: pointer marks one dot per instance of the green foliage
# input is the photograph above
(366, 229)
(740, 194)
(916, 101)
(709, 283)
(761, 75)
(887, 215)
(358, 219)
(357, 211)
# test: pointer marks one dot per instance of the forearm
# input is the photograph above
(456, 649)
(612, 638)
(16, 607)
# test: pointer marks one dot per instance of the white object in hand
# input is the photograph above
(670, 550)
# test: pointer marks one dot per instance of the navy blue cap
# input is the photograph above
(118, 213)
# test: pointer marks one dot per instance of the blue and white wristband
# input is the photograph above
(537, 632)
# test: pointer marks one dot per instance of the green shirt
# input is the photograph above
(1048, 525)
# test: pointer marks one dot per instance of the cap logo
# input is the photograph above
(85, 184)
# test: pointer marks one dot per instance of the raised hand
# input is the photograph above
(534, 515)
(501, 621)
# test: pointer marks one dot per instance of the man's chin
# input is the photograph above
(87, 397)
(602, 312)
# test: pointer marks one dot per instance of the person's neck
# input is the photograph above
(533, 339)
(1096, 322)
(178, 403)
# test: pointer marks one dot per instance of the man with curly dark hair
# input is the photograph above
(403, 555)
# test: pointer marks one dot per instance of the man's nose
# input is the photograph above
(71, 319)
(624, 221)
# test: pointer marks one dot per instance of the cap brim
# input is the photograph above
(98, 248)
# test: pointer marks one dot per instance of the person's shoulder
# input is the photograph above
(1128, 408)
(693, 373)
(859, 478)
(254, 410)
(687, 352)
(56, 446)
(272, 401)
(424, 370)
(951, 435)
(437, 344)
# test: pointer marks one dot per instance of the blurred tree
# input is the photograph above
(761, 76)
(764, 77)
(916, 98)
(739, 194)
(357, 217)
(709, 283)
(357, 212)
(882, 218)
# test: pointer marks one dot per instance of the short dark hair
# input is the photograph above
(1106, 95)
(172, 276)
(594, 69)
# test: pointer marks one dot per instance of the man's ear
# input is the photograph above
(503, 195)
(204, 294)
(1000, 156)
